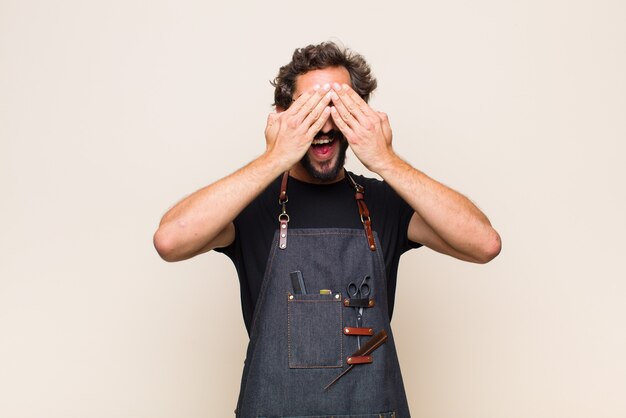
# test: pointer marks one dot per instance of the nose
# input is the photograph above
(328, 126)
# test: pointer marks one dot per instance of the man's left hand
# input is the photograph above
(368, 132)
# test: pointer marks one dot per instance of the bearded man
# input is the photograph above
(317, 248)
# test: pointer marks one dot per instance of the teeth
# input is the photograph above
(322, 141)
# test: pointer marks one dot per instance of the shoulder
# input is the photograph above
(366, 181)
(384, 202)
(266, 200)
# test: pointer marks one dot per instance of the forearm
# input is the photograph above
(460, 228)
(444, 220)
(202, 221)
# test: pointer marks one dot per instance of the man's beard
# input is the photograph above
(329, 169)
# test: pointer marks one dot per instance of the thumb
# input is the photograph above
(273, 123)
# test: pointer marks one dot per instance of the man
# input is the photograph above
(317, 248)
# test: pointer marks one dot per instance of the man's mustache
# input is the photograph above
(332, 134)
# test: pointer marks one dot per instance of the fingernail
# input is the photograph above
(326, 86)
(346, 87)
(316, 87)
(336, 86)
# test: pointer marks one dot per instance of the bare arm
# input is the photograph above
(444, 220)
(203, 220)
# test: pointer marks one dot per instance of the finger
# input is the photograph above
(343, 112)
(384, 119)
(318, 124)
(273, 122)
(353, 107)
(362, 104)
(317, 111)
(272, 119)
(341, 124)
(297, 104)
(311, 103)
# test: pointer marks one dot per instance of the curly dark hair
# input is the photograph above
(316, 57)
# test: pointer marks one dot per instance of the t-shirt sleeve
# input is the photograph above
(406, 213)
(396, 216)
(230, 250)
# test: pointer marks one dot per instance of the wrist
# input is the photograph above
(386, 164)
(274, 162)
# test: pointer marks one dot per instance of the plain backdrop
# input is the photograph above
(111, 111)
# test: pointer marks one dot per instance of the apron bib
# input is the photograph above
(302, 340)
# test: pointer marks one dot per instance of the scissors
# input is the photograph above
(362, 291)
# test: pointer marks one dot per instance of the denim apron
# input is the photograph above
(298, 342)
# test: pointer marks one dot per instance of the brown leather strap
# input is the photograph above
(366, 220)
(283, 189)
(359, 359)
(359, 195)
(358, 331)
(359, 303)
(283, 218)
(282, 242)
(365, 350)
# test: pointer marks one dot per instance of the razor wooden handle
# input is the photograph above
(363, 353)
(371, 344)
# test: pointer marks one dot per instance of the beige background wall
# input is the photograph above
(112, 111)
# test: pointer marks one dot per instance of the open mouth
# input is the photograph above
(326, 138)
(322, 141)
(322, 148)
(324, 144)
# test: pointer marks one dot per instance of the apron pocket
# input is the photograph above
(314, 325)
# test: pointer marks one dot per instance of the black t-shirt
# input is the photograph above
(316, 206)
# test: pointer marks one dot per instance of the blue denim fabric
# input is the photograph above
(297, 345)
(385, 415)
(315, 343)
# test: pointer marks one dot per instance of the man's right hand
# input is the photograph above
(289, 133)
(194, 226)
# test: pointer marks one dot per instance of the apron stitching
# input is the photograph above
(381, 262)
(340, 337)
(257, 309)
(264, 285)
(305, 234)
(288, 330)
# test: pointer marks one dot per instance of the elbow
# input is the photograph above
(490, 248)
(165, 246)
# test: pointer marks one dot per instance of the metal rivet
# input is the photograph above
(337, 296)
(283, 235)
(283, 226)
(290, 296)
(282, 245)
(372, 246)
